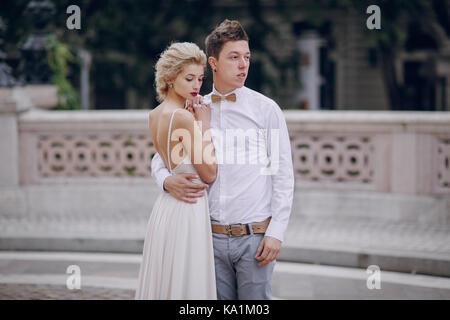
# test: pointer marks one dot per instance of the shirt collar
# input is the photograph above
(236, 91)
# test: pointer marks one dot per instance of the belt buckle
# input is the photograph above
(229, 229)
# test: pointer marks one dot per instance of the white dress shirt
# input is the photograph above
(255, 178)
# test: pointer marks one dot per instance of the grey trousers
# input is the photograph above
(238, 276)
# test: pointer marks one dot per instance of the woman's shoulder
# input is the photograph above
(183, 117)
(154, 113)
(164, 111)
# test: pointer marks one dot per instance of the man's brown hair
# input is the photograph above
(228, 30)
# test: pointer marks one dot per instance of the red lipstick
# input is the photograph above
(194, 94)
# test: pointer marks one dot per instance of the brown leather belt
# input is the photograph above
(235, 230)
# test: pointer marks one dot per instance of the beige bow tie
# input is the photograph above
(216, 98)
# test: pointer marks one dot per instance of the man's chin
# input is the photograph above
(240, 84)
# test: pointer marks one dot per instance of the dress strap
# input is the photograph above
(168, 139)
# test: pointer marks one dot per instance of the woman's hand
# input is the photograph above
(189, 105)
(201, 111)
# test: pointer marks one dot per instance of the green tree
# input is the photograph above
(58, 56)
(125, 38)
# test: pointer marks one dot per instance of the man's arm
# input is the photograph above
(283, 175)
(180, 185)
(159, 171)
(279, 153)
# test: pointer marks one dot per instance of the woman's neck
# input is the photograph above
(174, 99)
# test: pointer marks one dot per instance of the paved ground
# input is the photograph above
(344, 247)
(52, 292)
(396, 246)
(43, 275)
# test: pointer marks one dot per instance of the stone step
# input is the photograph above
(85, 243)
(395, 246)
(404, 246)
(308, 281)
(400, 261)
(35, 273)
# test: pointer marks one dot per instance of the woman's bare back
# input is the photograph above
(183, 127)
(159, 120)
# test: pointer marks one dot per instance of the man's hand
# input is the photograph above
(268, 250)
(182, 188)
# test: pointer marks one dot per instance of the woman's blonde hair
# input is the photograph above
(171, 63)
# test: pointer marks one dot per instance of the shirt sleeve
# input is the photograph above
(159, 171)
(282, 173)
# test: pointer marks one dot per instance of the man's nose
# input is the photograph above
(242, 63)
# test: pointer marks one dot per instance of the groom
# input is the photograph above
(250, 202)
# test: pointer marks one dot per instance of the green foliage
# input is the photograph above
(397, 17)
(58, 56)
(125, 38)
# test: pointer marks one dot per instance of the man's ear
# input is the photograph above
(212, 63)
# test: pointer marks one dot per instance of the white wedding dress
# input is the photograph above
(178, 256)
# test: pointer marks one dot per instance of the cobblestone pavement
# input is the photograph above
(52, 292)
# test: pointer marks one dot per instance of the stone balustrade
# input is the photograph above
(77, 144)
(393, 152)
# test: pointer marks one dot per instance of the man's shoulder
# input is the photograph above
(261, 98)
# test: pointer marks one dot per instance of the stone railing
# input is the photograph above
(394, 152)
(79, 144)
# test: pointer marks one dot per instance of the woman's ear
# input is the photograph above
(212, 63)
(170, 83)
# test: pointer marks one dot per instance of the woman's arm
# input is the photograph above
(194, 131)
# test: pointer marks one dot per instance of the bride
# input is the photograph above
(178, 258)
